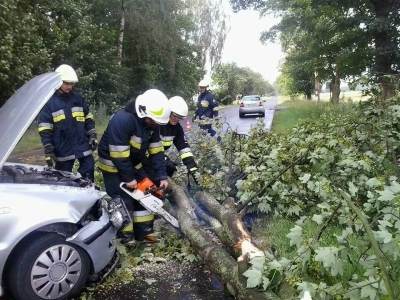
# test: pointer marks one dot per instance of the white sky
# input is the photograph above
(243, 45)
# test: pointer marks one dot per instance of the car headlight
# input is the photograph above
(117, 219)
(117, 211)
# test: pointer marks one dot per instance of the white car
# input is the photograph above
(251, 105)
(57, 229)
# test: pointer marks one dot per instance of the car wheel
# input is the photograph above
(48, 268)
(241, 115)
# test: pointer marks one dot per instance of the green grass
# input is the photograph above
(345, 96)
(289, 113)
(31, 139)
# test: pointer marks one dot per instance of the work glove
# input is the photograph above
(93, 141)
(196, 175)
(131, 185)
(49, 155)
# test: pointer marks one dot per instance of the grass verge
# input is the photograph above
(290, 113)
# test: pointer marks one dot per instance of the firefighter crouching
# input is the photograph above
(131, 134)
(172, 133)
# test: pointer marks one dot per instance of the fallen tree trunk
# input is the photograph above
(216, 225)
(214, 255)
(238, 235)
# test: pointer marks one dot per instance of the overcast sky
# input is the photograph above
(243, 45)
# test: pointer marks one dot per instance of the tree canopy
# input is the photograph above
(335, 40)
(232, 80)
(119, 48)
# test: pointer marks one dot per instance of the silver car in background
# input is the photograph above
(251, 105)
(57, 230)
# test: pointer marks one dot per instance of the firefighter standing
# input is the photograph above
(67, 128)
(172, 133)
(206, 108)
(133, 134)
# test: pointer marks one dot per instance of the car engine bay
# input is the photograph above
(32, 175)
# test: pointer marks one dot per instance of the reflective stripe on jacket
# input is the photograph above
(66, 123)
(206, 105)
(173, 134)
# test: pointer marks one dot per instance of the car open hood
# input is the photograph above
(21, 109)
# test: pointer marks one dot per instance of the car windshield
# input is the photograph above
(251, 98)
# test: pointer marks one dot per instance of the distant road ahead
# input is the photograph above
(230, 115)
(243, 125)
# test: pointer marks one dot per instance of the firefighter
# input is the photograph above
(206, 108)
(67, 128)
(172, 133)
(132, 134)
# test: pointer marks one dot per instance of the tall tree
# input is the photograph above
(22, 52)
(210, 30)
(360, 35)
(232, 80)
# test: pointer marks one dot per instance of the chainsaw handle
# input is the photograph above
(124, 186)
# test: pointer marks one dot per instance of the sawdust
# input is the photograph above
(168, 280)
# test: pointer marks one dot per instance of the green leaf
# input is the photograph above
(352, 189)
(266, 282)
(258, 262)
(373, 182)
(383, 236)
(295, 236)
(386, 195)
(328, 256)
(368, 292)
(318, 219)
(305, 178)
(254, 278)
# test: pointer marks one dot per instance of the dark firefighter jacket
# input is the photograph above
(66, 123)
(173, 134)
(125, 145)
(206, 105)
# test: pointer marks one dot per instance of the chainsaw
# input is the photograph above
(151, 202)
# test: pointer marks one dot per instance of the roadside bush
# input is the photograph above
(335, 181)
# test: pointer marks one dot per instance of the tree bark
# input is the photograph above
(214, 255)
(121, 33)
(239, 237)
(336, 87)
(384, 45)
(318, 87)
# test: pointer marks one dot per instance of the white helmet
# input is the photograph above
(67, 73)
(178, 106)
(154, 105)
(203, 83)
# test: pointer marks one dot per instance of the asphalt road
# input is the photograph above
(230, 115)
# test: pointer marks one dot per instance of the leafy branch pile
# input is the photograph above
(340, 175)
